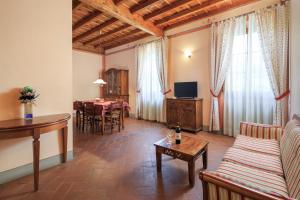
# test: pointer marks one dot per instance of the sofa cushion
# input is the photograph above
(264, 146)
(265, 162)
(290, 156)
(254, 178)
(289, 143)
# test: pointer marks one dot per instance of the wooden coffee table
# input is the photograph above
(189, 150)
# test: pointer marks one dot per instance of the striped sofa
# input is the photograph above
(263, 164)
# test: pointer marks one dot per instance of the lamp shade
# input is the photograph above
(100, 82)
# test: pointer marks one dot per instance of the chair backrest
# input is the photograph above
(75, 105)
(98, 109)
(290, 156)
(89, 108)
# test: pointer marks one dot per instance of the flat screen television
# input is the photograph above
(185, 89)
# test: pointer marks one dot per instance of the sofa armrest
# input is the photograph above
(215, 187)
(264, 131)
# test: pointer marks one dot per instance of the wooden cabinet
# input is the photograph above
(186, 112)
(117, 85)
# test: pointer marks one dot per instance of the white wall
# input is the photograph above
(35, 50)
(86, 69)
(295, 58)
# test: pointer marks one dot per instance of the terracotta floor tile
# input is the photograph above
(119, 166)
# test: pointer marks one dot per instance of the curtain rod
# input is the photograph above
(199, 28)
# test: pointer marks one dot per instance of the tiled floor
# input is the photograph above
(119, 166)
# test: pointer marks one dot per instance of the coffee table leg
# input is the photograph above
(158, 161)
(191, 172)
(204, 158)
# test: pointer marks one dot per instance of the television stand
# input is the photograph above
(186, 112)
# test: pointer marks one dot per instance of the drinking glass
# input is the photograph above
(170, 137)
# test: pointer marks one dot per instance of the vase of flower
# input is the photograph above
(28, 110)
(28, 97)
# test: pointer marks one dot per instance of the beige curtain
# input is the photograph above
(273, 29)
(162, 70)
(222, 34)
(152, 80)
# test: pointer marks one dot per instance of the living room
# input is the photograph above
(95, 95)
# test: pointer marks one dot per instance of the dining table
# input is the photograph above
(105, 107)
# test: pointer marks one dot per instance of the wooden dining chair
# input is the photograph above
(98, 117)
(89, 116)
(78, 107)
(114, 115)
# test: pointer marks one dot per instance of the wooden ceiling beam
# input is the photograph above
(187, 11)
(86, 19)
(122, 13)
(166, 9)
(107, 34)
(141, 5)
(127, 41)
(98, 50)
(129, 34)
(211, 13)
(117, 1)
(75, 4)
(97, 28)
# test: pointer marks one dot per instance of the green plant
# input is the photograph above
(27, 94)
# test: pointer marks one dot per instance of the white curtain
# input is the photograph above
(152, 80)
(273, 29)
(247, 92)
(221, 47)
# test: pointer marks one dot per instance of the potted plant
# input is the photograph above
(27, 97)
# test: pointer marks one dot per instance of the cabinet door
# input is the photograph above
(112, 84)
(187, 115)
(172, 113)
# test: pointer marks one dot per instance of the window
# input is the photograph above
(150, 95)
(248, 95)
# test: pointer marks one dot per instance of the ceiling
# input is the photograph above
(99, 25)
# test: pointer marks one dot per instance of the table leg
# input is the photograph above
(36, 158)
(191, 165)
(103, 122)
(158, 161)
(65, 143)
(204, 158)
(123, 112)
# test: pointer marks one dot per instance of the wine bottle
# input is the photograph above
(178, 134)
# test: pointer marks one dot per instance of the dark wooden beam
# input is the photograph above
(166, 8)
(97, 28)
(129, 34)
(75, 4)
(106, 34)
(86, 19)
(210, 13)
(141, 5)
(78, 46)
(127, 41)
(118, 1)
(187, 11)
